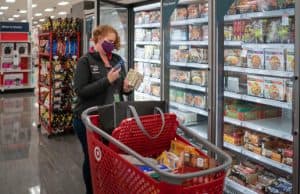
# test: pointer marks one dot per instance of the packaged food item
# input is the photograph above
(290, 60)
(155, 70)
(255, 138)
(266, 5)
(255, 59)
(289, 91)
(255, 85)
(147, 69)
(204, 32)
(173, 93)
(281, 185)
(148, 35)
(245, 174)
(183, 54)
(272, 31)
(274, 59)
(199, 77)
(146, 17)
(180, 96)
(269, 150)
(155, 17)
(189, 98)
(233, 135)
(179, 33)
(134, 78)
(173, 74)
(180, 13)
(233, 84)
(193, 11)
(22, 48)
(232, 57)
(274, 88)
(186, 118)
(197, 55)
(266, 178)
(199, 100)
(169, 159)
(155, 35)
(139, 66)
(203, 8)
(156, 53)
(288, 161)
(253, 148)
(155, 89)
(195, 32)
(183, 76)
(228, 32)
(138, 18)
(149, 50)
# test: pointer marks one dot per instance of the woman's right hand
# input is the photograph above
(113, 75)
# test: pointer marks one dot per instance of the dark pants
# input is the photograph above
(81, 133)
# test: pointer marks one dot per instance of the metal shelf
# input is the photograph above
(152, 79)
(147, 7)
(13, 41)
(147, 42)
(147, 96)
(200, 129)
(189, 108)
(232, 185)
(16, 87)
(192, 65)
(195, 43)
(284, 74)
(260, 158)
(232, 43)
(265, 101)
(17, 71)
(268, 45)
(265, 14)
(188, 86)
(153, 25)
(276, 127)
(190, 21)
(147, 60)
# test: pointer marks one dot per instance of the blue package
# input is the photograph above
(149, 170)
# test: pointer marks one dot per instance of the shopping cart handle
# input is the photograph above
(164, 176)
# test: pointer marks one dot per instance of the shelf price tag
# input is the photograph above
(285, 20)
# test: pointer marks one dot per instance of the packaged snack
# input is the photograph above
(253, 148)
(289, 91)
(255, 85)
(263, 5)
(155, 34)
(180, 96)
(274, 88)
(195, 32)
(174, 55)
(169, 159)
(193, 11)
(274, 59)
(199, 100)
(199, 77)
(255, 59)
(179, 33)
(290, 60)
(232, 57)
(233, 135)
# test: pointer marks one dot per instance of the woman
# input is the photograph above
(99, 80)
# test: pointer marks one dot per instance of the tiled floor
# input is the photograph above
(30, 163)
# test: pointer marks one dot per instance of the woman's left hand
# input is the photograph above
(126, 87)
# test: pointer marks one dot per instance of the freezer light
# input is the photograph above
(23, 11)
(3, 7)
(63, 3)
(10, 1)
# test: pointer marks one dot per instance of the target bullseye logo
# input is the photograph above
(97, 153)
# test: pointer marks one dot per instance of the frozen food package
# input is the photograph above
(274, 88)
(193, 11)
(149, 50)
(186, 118)
(255, 58)
(180, 96)
(197, 55)
(228, 32)
(259, 27)
(263, 5)
(290, 60)
(180, 13)
(146, 17)
(274, 59)
(147, 69)
(255, 85)
(183, 76)
(155, 34)
(233, 84)
(195, 32)
(155, 89)
(173, 74)
(155, 17)
(203, 8)
(232, 57)
(156, 53)
(139, 34)
(173, 95)
(140, 52)
(183, 55)
(174, 55)
(272, 35)
(204, 32)
(289, 91)
(134, 78)
(189, 98)
(199, 77)
(199, 100)
(139, 18)
(179, 33)
(155, 70)
(148, 35)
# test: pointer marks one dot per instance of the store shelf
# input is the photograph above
(276, 127)
(200, 129)
(232, 43)
(265, 14)
(147, 96)
(16, 87)
(17, 71)
(237, 188)
(152, 79)
(147, 7)
(13, 41)
(192, 65)
(147, 60)
(189, 108)
(44, 34)
(195, 43)
(259, 158)
(153, 25)
(188, 86)
(147, 42)
(190, 21)
(248, 98)
(284, 74)
(269, 45)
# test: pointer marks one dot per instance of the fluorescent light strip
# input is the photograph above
(11, 19)
(3, 7)
(63, 3)
(42, 20)
(10, 1)
(23, 20)
(62, 13)
(34, 5)
(23, 11)
(16, 16)
(49, 9)
(38, 14)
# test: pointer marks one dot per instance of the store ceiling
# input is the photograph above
(13, 9)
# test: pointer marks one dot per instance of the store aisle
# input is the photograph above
(29, 161)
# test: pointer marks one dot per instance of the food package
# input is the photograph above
(245, 174)
(289, 91)
(233, 84)
(139, 66)
(155, 17)
(253, 148)
(269, 151)
(266, 178)
(199, 77)
(290, 60)
(180, 14)
(233, 135)
(274, 88)
(180, 96)
(173, 94)
(186, 118)
(22, 48)
(155, 89)
(287, 161)
(195, 32)
(139, 52)
(198, 55)
(156, 53)
(147, 69)
(193, 11)
(7, 49)
(203, 8)
(228, 32)
(263, 5)
(255, 59)
(182, 54)
(134, 78)
(259, 28)
(169, 159)
(255, 138)
(183, 76)
(155, 70)
(232, 57)
(173, 74)
(199, 100)
(205, 33)
(139, 18)
(274, 59)
(148, 35)
(281, 185)
(189, 99)
(149, 50)
(179, 33)
(272, 35)
(155, 35)
(255, 85)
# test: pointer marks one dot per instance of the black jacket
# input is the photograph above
(91, 84)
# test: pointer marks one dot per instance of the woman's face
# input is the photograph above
(110, 37)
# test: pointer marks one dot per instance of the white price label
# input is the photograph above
(285, 20)
(200, 162)
(244, 53)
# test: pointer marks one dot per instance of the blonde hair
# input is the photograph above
(103, 30)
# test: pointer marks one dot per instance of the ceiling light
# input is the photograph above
(38, 25)
(11, 19)
(3, 7)
(1, 13)
(38, 14)
(16, 16)
(35, 22)
(62, 13)
(63, 3)
(49, 9)
(34, 5)
(52, 17)
(23, 20)
(10, 1)
(23, 11)
(42, 20)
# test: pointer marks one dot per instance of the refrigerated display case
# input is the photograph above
(89, 23)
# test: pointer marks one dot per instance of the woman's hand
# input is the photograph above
(126, 87)
(113, 75)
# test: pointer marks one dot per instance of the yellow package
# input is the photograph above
(169, 159)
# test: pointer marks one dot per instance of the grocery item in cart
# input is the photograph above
(290, 60)
(274, 59)
(274, 88)
(179, 33)
(255, 85)
(195, 32)
(199, 77)
(289, 91)
(232, 57)
(193, 11)
(255, 58)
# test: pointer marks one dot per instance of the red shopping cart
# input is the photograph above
(112, 174)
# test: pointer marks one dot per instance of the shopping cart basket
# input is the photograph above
(112, 174)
